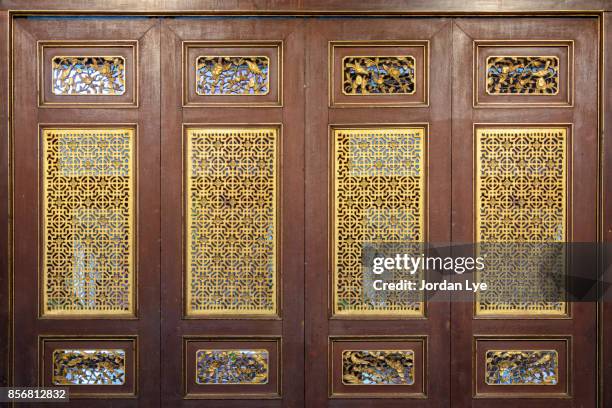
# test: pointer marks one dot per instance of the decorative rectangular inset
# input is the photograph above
(379, 196)
(378, 367)
(88, 221)
(235, 75)
(88, 367)
(522, 367)
(521, 210)
(88, 75)
(379, 75)
(514, 75)
(232, 366)
(231, 221)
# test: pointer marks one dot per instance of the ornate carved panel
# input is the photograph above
(88, 222)
(88, 367)
(232, 73)
(88, 75)
(522, 367)
(232, 366)
(226, 75)
(379, 75)
(521, 212)
(378, 367)
(379, 199)
(522, 75)
(224, 367)
(231, 221)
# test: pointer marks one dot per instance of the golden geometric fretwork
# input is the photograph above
(88, 222)
(379, 200)
(521, 219)
(231, 221)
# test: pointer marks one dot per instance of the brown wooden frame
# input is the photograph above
(11, 8)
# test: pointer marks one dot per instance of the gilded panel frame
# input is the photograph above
(132, 314)
(332, 294)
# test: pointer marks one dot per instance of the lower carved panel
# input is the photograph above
(522, 366)
(378, 367)
(91, 367)
(231, 367)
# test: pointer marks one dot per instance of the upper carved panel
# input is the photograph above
(232, 75)
(509, 75)
(88, 75)
(378, 75)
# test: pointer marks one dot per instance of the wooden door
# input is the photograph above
(232, 229)
(86, 207)
(377, 172)
(525, 172)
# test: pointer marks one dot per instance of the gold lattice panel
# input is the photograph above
(521, 213)
(379, 200)
(231, 221)
(88, 222)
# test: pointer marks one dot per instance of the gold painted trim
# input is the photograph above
(232, 56)
(331, 75)
(185, 276)
(133, 339)
(278, 44)
(569, 364)
(424, 371)
(333, 312)
(186, 339)
(131, 44)
(569, 75)
(382, 56)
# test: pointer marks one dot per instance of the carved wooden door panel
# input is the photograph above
(232, 230)
(524, 176)
(377, 173)
(86, 208)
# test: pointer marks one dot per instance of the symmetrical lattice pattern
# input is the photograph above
(232, 366)
(522, 75)
(522, 367)
(232, 75)
(88, 367)
(88, 221)
(521, 196)
(378, 75)
(231, 220)
(379, 195)
(378, 367)
(88, 75)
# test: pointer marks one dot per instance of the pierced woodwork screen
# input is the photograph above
(232, 366)
(378, 75)
(378, 367)
(88, 75)
(522, 367)
(379, 199)
(88, 221)
(521, 213)
(232, 75)
(522, 75)
(231, 221)
(88, 367)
